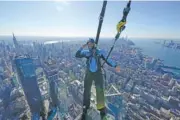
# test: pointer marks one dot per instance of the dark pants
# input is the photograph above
(99, 84)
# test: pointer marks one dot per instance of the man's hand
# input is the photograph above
(117, 68)
(84, 45)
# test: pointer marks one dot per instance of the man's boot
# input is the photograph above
(83, 117)
(103, 113)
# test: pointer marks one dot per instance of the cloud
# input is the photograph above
(59, 8)
(62, 2)
(67, 3)
(61, 5)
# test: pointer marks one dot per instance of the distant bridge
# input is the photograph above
(170, 67)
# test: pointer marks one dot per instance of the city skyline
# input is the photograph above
(147, 87)
(80, 19)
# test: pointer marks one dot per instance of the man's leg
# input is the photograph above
(87, 92)
(99, 83)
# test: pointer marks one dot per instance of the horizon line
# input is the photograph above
(84, 36)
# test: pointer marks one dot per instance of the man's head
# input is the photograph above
(91, 43)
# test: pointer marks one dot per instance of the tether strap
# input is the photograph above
(120, 28)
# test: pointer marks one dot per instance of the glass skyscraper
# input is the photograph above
(27, 76)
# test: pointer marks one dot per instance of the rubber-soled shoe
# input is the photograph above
(104, 117)
(83, 117)
(103, 113)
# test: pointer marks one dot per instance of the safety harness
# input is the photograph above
(120, 27)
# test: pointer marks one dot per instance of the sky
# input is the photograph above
(80, 18)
